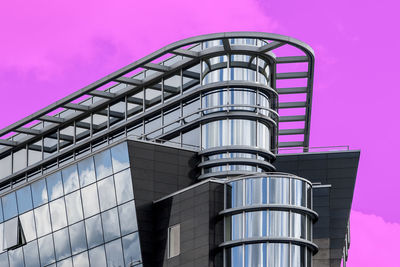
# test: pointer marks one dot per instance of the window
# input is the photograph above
(174, 247)
(13, 234)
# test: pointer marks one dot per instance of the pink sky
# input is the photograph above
(50, 49)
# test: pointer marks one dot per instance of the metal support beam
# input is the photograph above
(291, 144)
(292, 118)
(6, 142)
(52, 119)
(291, 131)
(293, 59)
(292, 105)
(270, 46)
(76, 107)
(186, 53)
(157, 67)
(292, 90)
(226, 45)
(28, 131)
(130, 81)
(102, 94)
(292, 75)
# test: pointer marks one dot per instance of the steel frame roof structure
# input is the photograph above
(129, 83)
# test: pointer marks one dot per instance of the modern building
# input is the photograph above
(195, 155)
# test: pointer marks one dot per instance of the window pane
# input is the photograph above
(54, 186)
(24, 198)
(11, 233)
(123, 186)
(131, 247)
(61, 243)
(74, 207)
(1, 237)
(90, 200)
(237, 226)
(86, 172)
(97, 257)
(9, 206)
(254, 191)
(114, 253)
(279, 191)
(120, 158)
(39, 193)
(127, 216)
(31, 254)
(81, 260)
(94, 231)
(236, 194)
(255, 225)
(254, 256)
(103, 165)
(174, 241)
(28, 225)
(278, 223)
(237, 256)
(16, 257)
(46, 250)
(78, 237)
(42, 218)
(278, 254)
(65, 263)
(107, 193)
(110, 224)
(4, 259)
(70, 179)
(58, 216)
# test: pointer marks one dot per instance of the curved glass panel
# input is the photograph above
(235, 194)
(278, 223)
(256, 224)
(255, 255)
(278, 190)
(277, 254)
(242, 74)
(298, 192)
(256, 191)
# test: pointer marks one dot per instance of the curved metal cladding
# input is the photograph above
(268, 221)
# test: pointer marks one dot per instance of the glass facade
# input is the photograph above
(274, 212)
(81, 215)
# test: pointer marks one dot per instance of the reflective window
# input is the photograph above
(106, 193)
(90, 200)
(237, 226)
(256, 191)
(54, 186)
(46, 250)
(256, 224)
(123, 186)
(278, 190)
(78, 237)
(9, 206)
(131, 248)
(39, 193)
(70, 179)
(255, 255)
(215, 134)
(74, 207)
(28, 225)
(237, 256)
(127, 215)
(58, 215)
(24, 198)
(298, 225)
(97, 257)
(110, 224)
(94, 231)
(120, 158)
(243, 132)
(264, 140)
(236, 192)
(13, 234)
(297, 256)
(103, 165)
(16, 257)
(42, 218)
(65, 263)
(298, 192)
(1, 237)
(61, 244)
(4, 259)
(114, 253)
(278, 223)
(81, 260)
(86, 171)
(174, 240)
(278, 254)
(31, 254)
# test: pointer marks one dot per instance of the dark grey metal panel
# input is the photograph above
(333, 204)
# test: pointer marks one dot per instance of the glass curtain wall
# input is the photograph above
(268, 209)
(81, 215)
